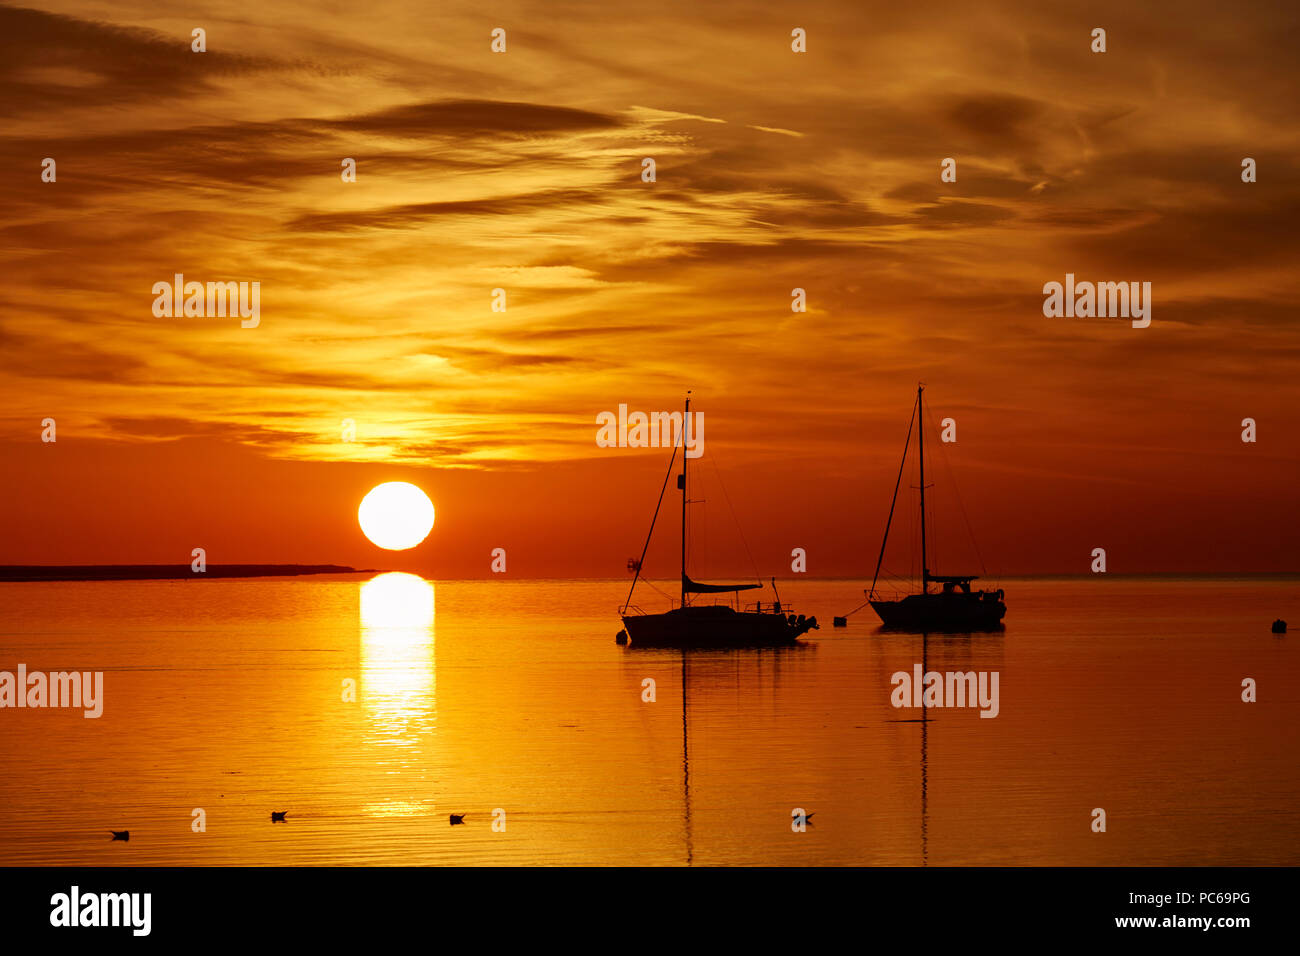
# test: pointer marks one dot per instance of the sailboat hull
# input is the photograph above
(714, 625)
(955, 612)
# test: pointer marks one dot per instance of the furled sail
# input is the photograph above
(691, 587)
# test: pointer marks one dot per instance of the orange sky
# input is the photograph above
(522, 171)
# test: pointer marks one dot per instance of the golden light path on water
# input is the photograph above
(398, 687)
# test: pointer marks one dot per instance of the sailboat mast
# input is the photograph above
(920, 414)
(686, 423)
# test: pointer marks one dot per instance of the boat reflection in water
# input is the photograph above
(719, 672)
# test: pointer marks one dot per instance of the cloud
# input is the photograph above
(415, 214)
(775, 171)
(50, 61)
(474, 118)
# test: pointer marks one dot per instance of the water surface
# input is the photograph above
(473, 696)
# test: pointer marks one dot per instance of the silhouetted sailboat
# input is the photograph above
(690, 624)
(954, 608)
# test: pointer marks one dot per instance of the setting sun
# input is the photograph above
(396, 515)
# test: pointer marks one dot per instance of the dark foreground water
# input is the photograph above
(511, 699)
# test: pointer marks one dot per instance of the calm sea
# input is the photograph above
(511, 700)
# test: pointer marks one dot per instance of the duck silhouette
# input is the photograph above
(277, 816)
(124, 835)
(457, 818)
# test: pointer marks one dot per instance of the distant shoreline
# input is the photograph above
(164, 572)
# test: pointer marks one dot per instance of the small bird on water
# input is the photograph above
(120, 835)
(457, 818)
(277, 816)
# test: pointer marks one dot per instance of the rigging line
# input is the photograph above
(743, 540)
(671, 461)
(658, 590)
(897, 581)
(890, 520)
(898, 481)
(962, 507)
(933, 518)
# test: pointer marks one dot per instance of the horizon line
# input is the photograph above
(35, 573)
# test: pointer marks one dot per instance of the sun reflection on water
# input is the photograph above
(398, 680)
